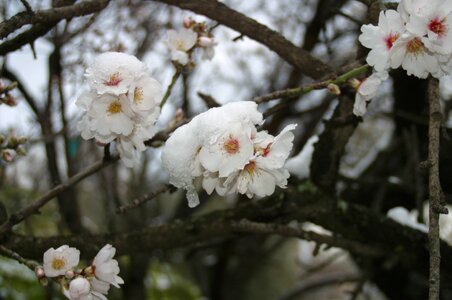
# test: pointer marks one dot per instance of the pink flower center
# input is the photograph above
(438, 26)
(390, 40)
(231, 145)
(415, 46)
(267, 150)
(113, 80)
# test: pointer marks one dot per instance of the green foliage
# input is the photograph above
(17, 282)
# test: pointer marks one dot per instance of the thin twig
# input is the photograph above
(170, 86)
(435, 207)
(14, 255)
(143, 199)
(293, 92)
(33, 207)
(27, 6)
(284, 230)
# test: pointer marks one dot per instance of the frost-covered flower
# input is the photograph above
(433, 23)
(380, 39)
(228, 150)
(58, 261)
(106, 268)
(224, 149)
(180, 42)
(181, 154)
(126, 111)
(366, 91)
(79, 289)
(114, 72)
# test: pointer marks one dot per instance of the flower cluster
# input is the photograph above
(193, 35)
(12, 146)
(90, 283)
(223, 148)
(122, 106)
(416, 37)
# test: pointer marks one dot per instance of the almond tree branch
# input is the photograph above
(435, 207)
(296, 56)
(51, 15)
(298, 91)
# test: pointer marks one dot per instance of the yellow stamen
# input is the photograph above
(114, 108)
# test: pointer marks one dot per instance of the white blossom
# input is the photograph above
(366, 91)
(410, 52)
(180, 42)
(380, 39)
(433, 24)
(228, 150)
(57, 262)
(106, 268)
(125, 112)
(114, 72)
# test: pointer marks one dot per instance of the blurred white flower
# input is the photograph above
(300, 164)
(366, 91)
(180, 42)
(57, 261)
(106, 268)
(407, 218)
(380, 39)
(207, 45)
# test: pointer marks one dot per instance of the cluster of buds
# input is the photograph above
(183, 42)
(12, 146)
(5, 96)
(90, 283)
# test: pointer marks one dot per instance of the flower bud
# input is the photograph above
(206, 42)
(188, 22)
(79, 288)
(8, 155)
(39, 271)
(22, 140)
(21, 151)
(12, 142)
(2, 139)
(355, 83)
(334, 89)
(10, 100)
(69, 274)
